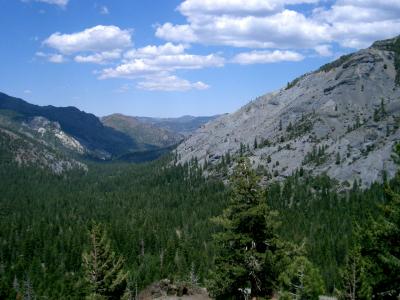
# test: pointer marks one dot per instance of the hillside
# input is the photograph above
(185, 125)
(143, 133)
(99, 140)
(342, 119)
(20, 149)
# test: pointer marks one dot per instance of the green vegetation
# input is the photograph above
(316, 156)
(104, 274)
(247, 243)
(250, 254)
(337, 63)
(374, 258)
(293, 83)
(380, 113)
(396, 49)
(300, 127)
(157, 217)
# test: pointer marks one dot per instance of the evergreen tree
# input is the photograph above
(248, 242)
(103, 269)
(351, 274)
(301, 280)
(381, 251)
(380, 247)
(337, 158)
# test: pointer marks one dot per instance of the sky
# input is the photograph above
(168, 58)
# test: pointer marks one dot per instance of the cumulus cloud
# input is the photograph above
(286, 29)
(245, 23)
(170, 84)
(152, 51)
(96, 39)
(265, 57)
(154, 67)
(236, 7)
(357, 23)
(99, 58)
(139, 67)
(276, 24)
(180, 33)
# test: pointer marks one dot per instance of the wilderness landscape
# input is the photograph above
(292, 193)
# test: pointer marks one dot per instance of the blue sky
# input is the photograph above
(167, 58)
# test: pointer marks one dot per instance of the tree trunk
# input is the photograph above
(254, 289)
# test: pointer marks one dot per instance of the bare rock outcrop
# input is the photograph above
(342, 119)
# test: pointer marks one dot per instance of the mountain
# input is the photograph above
(25, 150)
(143, 132)
(87, 129)
(184, 125)
(342, 120)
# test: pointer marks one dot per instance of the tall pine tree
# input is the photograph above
(247, 243)
(104, 272)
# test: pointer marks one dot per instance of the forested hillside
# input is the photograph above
(158, 218)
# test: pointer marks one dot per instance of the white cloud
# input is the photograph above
(275, 24)
(99, 58)
(60, 3)
(180, 33)
(285, 29)
(237, 7)
(357, 23)
(104, 10)
(51, 57)
(96, 39)
(169, 84)
(264, 57)
(27, 92)
(323, 50)
(154, 66)
(56, 58)
(152, 51)
(162, 64)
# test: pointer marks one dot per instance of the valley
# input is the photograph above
(293, 196)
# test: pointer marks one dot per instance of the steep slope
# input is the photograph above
(26, 151)
(85, 128)
(143, 133)
(342, 119)
(185, 125)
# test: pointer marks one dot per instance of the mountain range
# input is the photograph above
(71, 133)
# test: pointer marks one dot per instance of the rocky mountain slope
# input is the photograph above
(342, 119)
(185, 125)
(144, 133)
(27, 151)
(86, 129)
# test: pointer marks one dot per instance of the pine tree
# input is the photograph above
(380, 247)
(381, 251)
(104, 272)
(301, 280)
(247, 243)
(352, 273)
(337, 158)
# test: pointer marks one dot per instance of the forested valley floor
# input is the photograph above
(157, 217)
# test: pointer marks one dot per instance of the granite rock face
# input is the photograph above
(342, 120)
